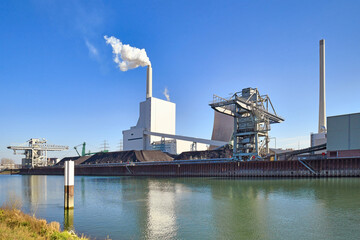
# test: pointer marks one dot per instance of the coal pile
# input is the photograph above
(77, 160)
(128, 156)
(224, 152)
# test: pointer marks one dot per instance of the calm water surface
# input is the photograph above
(195, 208)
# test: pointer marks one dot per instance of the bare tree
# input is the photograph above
(5, 161)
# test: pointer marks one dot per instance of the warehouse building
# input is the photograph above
(343, 136)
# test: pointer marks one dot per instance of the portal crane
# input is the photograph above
(36, 152)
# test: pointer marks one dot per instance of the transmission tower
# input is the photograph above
(105, 146)
(121, 146)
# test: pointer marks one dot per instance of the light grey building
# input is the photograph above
(343, 135)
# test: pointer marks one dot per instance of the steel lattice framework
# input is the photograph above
(36, 152)
(253, 113)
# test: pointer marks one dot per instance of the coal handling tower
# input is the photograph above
(253, 113)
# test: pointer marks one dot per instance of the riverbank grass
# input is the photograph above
(9, 172)
(15, 224)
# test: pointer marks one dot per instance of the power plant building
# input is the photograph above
(156, 116)
(343, 136)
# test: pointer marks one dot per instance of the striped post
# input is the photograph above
(69, 185)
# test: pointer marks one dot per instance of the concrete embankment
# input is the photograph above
(345, 167)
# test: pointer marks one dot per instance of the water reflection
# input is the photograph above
(69, 219)
(82, 190)
(197, 208)
(34, 191)
(161, 219)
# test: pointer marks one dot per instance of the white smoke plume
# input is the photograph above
(166, 94)
(126, 56)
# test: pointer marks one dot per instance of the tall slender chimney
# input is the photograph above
(149, 82)
(322, 103)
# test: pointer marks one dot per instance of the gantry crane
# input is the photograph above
(36, 152)
(253, 113)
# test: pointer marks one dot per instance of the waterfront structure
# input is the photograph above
(343, 136)
(337, 167)
(253, 113)
(36, 152)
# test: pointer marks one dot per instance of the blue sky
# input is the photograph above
(58, 80)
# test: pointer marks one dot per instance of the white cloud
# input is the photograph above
(166, 94)
(92, 50)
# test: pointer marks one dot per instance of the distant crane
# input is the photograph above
(36, 152)
(83, 150)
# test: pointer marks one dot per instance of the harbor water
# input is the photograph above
(194, 208)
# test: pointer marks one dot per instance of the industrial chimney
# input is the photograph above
(322, 104)
(149, 82)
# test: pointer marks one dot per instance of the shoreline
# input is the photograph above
(15, 224)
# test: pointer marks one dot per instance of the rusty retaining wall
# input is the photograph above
(346, 167)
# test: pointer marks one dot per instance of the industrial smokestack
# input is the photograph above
(149, 82)
(322, 103)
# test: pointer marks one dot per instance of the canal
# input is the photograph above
(194, 208)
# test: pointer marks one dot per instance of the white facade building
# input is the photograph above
(156, 115)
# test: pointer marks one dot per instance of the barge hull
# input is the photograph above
(337, 167)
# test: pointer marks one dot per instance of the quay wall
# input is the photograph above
(336, 167)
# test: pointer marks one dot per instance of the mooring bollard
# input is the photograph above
(69, 185)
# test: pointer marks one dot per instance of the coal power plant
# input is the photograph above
(239, 144)
(156, 128)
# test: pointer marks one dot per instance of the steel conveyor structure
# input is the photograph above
(253, 113)
(36, 152)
